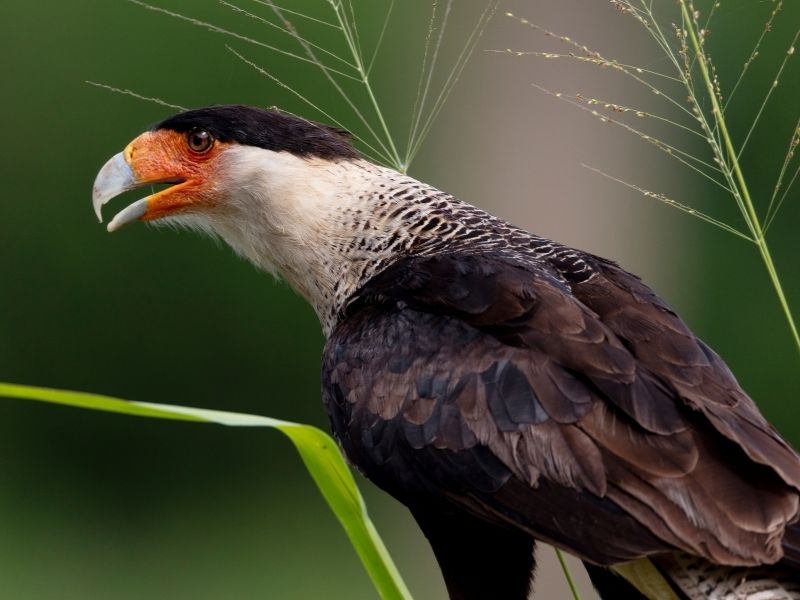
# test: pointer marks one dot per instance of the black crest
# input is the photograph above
(269, 129)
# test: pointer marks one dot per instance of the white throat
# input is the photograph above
(328, 226)
(300, 218)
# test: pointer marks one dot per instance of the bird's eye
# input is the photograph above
(199, 140)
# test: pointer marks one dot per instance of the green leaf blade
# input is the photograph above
(317, 449)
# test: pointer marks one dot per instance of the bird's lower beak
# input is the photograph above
(116, 177)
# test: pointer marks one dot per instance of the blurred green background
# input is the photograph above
(103, 506)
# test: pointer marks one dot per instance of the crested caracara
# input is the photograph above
(504, 387)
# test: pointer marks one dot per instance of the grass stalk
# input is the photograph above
(691, 55)
(362, 71)
(753, 220)
(567, 575)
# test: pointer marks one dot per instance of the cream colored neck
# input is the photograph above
(318, 224)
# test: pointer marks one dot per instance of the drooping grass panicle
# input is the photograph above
(682, 38)
(590, 105)
(588, 55)
(735, 170)
(587, 59)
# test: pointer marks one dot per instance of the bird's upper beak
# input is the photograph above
(114, 178)
(152, 158)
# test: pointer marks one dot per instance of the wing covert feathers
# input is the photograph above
(583, 411)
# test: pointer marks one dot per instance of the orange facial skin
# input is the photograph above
(164, 156)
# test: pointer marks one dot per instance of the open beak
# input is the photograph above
(115, 178)
(118, 176)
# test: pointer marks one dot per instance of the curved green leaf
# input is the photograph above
(317, 449)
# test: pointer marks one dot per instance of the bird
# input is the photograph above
(505, 388)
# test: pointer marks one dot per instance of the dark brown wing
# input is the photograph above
(430, 410)
(583, 411)
(659, 340)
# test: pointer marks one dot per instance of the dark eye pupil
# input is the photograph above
(199, 140)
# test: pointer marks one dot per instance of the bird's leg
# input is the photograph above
(479, 559)
(610, 585)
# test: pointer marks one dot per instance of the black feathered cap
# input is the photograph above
(269, 129)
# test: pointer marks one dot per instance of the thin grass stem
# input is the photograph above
(618, 108)
(713, 135)
(126, 92)
(301, 15)
(269, 23)
(567, 575)
(711, 12)
(377, 154)
(415, 111)
(381, 36)
(310, 52)
(419, 105)
(655, 31)
(753, 54)
(676, 153)
(354, 27)
(774, 85)
(794, 142)
(674, 204)
(783, 197)
(454, 75)
(238, 36)
(633, 74)
(586, 59)
(755, 225)
(356, 54)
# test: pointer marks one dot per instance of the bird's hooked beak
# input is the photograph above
(154, 158)
(114, 178)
